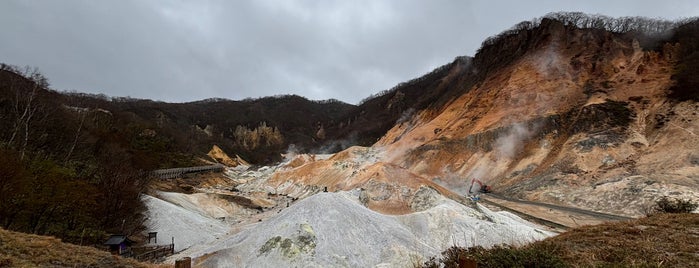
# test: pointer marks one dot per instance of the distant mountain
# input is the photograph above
(259, 130)
(306, 126)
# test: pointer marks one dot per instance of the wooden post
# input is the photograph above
(467, 263)
(185, 262)
(153, 235)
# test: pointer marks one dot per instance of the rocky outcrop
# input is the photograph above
(220, 156)
(260, 136)
(571, 109)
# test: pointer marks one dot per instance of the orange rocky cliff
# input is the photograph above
(583, 119)
(220, 156)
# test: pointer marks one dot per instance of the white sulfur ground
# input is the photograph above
(335, 230)
(188, 227)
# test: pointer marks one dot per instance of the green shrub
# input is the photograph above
(667, 205)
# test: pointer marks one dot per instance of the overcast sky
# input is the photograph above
(178, 51)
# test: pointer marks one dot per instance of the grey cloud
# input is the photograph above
(189, 50)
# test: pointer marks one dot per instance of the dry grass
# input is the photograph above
(27, 250)
(660, 240)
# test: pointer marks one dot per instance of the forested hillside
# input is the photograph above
(66, 171)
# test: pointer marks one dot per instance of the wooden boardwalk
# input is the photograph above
(170, 173)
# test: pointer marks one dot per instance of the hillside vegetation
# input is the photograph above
(72, 173)
(258, 130)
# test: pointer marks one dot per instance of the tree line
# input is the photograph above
(65, 171)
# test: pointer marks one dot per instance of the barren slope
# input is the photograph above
(335, 230)
(385, 187)
(583, 120)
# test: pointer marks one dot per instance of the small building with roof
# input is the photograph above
(119, 244)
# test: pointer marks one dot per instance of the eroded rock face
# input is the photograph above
(385, 187)
(576, 109)
(260, 136)
(220, 156)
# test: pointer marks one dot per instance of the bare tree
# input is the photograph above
(83, 114)
(25, 106)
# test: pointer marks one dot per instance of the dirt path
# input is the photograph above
(559, 217)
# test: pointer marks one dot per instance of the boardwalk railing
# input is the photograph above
(178, 172)
(155, 253)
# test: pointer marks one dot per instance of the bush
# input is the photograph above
(538, 255)
(667, 205)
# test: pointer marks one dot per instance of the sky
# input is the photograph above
(180, 51)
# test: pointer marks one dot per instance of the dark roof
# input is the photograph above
(117, 240)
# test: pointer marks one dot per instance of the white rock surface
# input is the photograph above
(186, 226)
(335, 230)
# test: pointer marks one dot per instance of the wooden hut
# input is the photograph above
(119, 244)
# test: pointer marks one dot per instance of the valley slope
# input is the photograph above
(583, 118)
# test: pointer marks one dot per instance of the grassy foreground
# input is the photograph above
(660, 240)
(27, 250)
